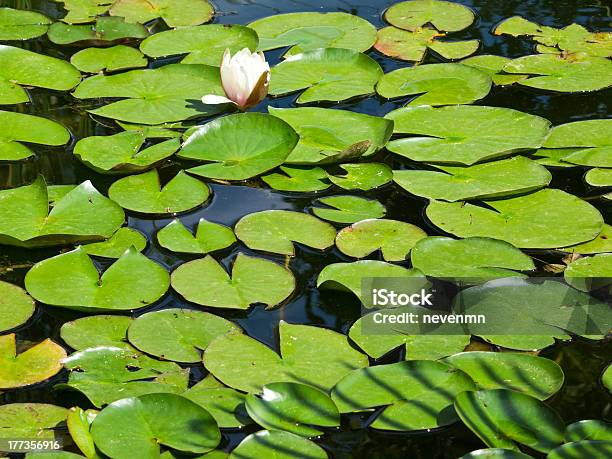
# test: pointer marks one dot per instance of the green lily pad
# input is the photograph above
(80, 11)
(590, 142)
(590, 273)
(563, 74)
(155, 96)
(310, 355)
(117, 244)
(393, 238)
(202, 44)
(465, 134)
(309, 31)
(493, 65)
(298, 180)
(581, 449)
(348, 276)
(348, 209)
(32, 366)
(589, 429)
(131, 282)
(330, 136)
(21, 24)
(82, 214)
(277, 444)
(104, 31)
(123, 153)
(412, 45)
(281, 228)
(571, 39)
(120, 57)
(502, 417)
(179, 335)
(554, 157)
(474, 257)
(327, 74)
(606, 378)
(494, 453)
(253, 280)
(146, 422)
(599, 177)
(106, 374)
(225, 404)
(536, 376)
(96, 331)
(16, 306)
(208, 237)
(240, 146)
(601, 244)
(444, 16)
(536, 220)
(495, 179)
(38, 421)
(417, 395)
(436, 84)
(293, 407)
(144, 193)
(175, 13)
(363, 176)
(20, 67)
(79, 422)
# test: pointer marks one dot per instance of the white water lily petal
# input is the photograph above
(212, 99)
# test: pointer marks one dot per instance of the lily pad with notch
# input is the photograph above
(276, 231)
(348, 209)
(493, 65)
(175, 13)
(362, 176)
(253, 280)
(131, 282)
(209, 237)
(105, 31)
(298, 179)
(117, 244)
(277, 444)
(120, 57)
(308, 355)
(444, 16)
(22, 24)
(16, 306)
(97, 331)
(326, 74)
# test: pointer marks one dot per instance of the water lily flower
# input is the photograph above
(245, 77)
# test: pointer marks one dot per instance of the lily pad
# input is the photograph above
(563, 74)
(106, 374)
(39, 421)
(579, 449)
(16, 306)
(277, 444)
(309, 31)
(82, 214)
(175, 13)
(32, 366)
(201, 44)
(104, 31)
(155, 96)
(536, 220)
(120, 57)
(117, 244)
(536, 376)
(590, 142)
(412, 45)
(590, 273)
(474, 258)
(144, 193)
(293, 407)
(606, 378)
(147, 422)
(22, 24)
(330, 136)
(276, 231)
(20, 67)
(253, 280)
(589, 429)
(79, 422)
(550, 157)
(349, 209)
(131, 282)
(310, 355)
(502, 417)
(417, 395)
(436, 84)
(240, 146)
(393, 238)
(209, 237)
(464, 134)
(601, 244)
(298, 180)
(363, 176)
(84, 10)
(327, 74)
(123, 153)
(225, 404)
(96, 331)
(179, 335)
(599, 177)
(444, 16)
(493, 65)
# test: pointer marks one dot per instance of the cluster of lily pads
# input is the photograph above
(484, 171)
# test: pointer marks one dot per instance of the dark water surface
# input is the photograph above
(581, 397)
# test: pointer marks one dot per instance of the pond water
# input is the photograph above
(582, 397)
